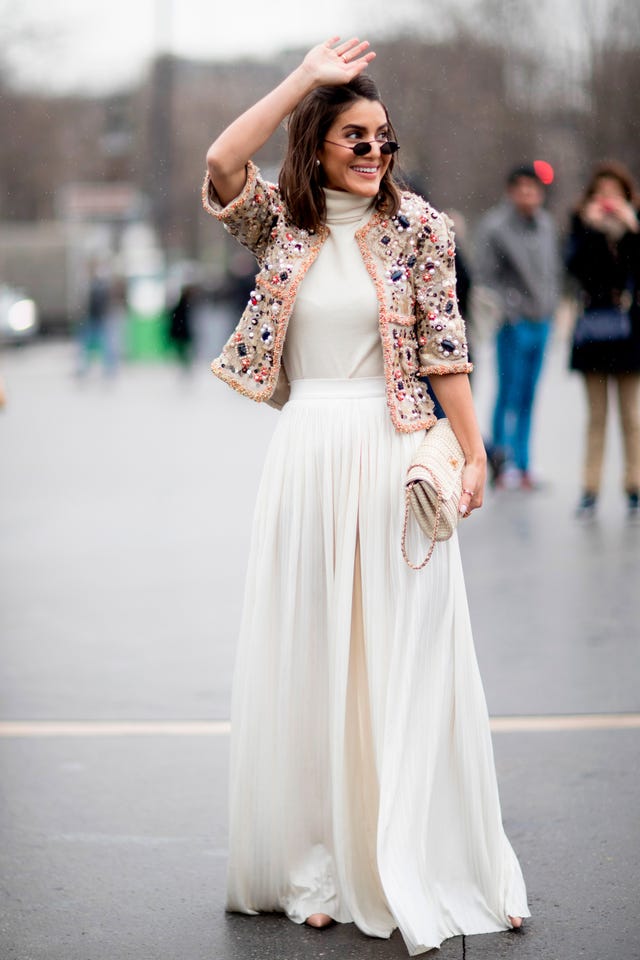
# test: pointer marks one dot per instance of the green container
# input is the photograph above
(146, 337)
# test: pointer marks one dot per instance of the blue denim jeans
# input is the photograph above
(520, 347)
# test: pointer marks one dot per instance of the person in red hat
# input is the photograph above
(518, 257)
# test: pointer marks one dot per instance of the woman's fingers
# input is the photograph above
(353, 52)
(465, 503)
(356, 58)
(338, 61)
(351, 49)
(472, 490)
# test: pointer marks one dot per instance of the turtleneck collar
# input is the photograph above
(345, 207)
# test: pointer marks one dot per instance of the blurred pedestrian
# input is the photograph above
(117, 312)
(603, 254)
(518, 258)
(181, 325)
(362, 779)
(99, 329)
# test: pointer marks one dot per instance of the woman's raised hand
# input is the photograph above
(334, 62)
(337, 61)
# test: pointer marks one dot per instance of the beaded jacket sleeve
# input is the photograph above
(410, 258)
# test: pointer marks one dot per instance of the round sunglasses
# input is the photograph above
(363, 147)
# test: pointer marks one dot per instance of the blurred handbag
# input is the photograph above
(602, 325)
(433, 487)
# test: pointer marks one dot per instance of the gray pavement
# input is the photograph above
(124, 521)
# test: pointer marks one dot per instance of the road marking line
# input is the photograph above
(114, 728)
(562, 722)
(220, 728)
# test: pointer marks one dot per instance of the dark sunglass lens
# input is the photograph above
(362, 148)
(389, 147)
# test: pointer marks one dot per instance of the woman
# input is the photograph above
(362, 779)
(604, 256)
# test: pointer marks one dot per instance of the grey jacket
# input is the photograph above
(520, 260)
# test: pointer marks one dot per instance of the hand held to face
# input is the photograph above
(594, 214)
(601, 212)
(622, 210)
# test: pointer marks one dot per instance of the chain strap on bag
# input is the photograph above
(433, 487)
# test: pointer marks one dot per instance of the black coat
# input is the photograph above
(181, 323)
(604, 271)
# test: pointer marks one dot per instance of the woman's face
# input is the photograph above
(607, 189)
(362, 120)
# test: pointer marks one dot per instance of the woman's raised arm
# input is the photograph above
(333, 62)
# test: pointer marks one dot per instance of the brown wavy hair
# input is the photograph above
(612, 170)
(301, 178)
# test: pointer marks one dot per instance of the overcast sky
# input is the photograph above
(100, 45)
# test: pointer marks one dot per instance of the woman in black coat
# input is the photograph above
(604, 256)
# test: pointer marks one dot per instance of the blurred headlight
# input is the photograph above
(21, 315)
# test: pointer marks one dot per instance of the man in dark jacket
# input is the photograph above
(517, 256)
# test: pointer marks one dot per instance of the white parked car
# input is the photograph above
(18, 316)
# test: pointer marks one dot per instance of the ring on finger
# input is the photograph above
(469, 493)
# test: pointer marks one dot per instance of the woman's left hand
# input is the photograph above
(454, 393)
(474, 477)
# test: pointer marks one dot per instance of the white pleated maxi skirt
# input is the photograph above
(362, 777)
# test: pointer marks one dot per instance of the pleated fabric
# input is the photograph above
(362, 775)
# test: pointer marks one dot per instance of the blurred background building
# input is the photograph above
(110, 165)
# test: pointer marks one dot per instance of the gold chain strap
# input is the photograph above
(436, 524)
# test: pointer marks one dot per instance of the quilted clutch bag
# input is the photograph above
(433, 487)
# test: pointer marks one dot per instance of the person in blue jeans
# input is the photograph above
(518, 257)
(520, 347)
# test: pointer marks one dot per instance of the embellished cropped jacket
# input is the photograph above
(410, 258)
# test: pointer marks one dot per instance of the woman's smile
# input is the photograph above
(368, 171)
(364, 120)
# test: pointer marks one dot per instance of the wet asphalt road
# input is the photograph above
(124, 521)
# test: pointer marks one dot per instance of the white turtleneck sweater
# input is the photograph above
(333, 331)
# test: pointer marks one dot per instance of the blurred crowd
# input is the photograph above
(522, 260)
(197, 317)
